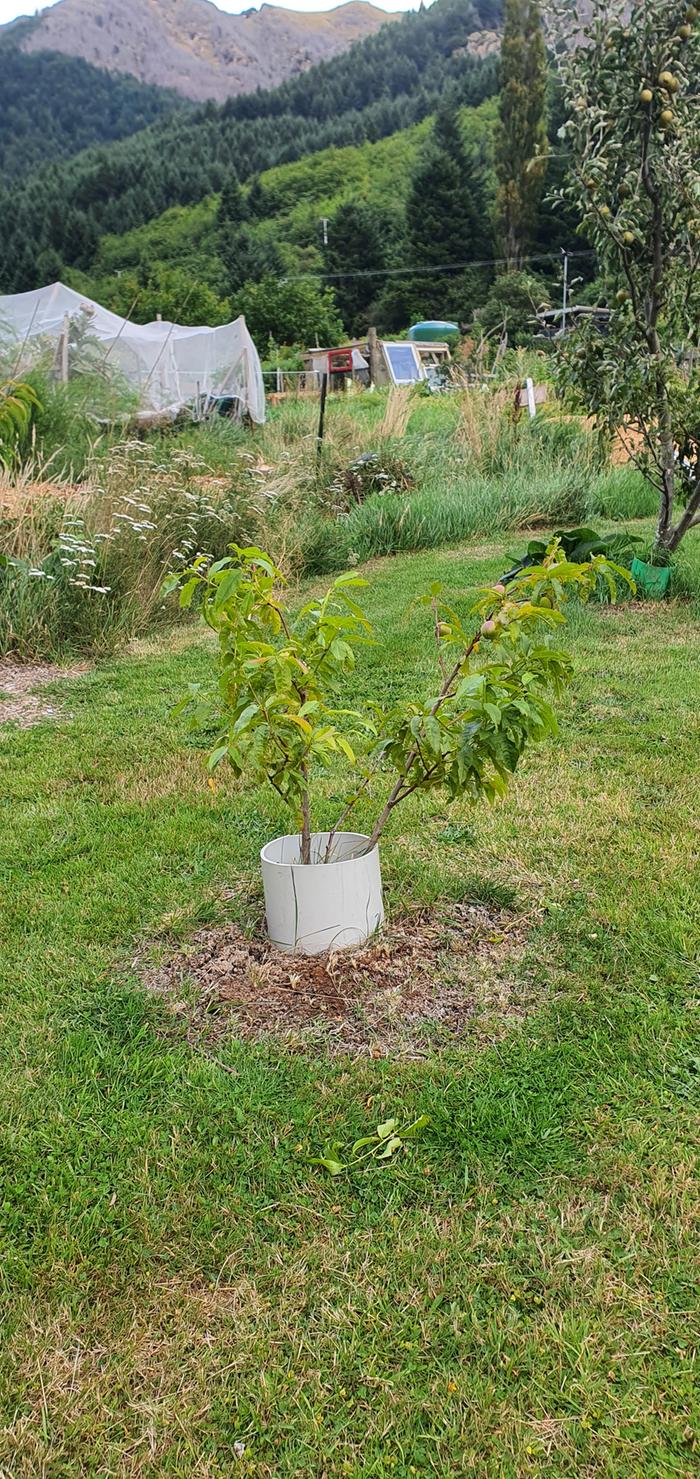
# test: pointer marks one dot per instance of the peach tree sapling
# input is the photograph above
(280, 667)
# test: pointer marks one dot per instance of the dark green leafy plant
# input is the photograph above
(371, 472)
(18, 403)
(578, 545)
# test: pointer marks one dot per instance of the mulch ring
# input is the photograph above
(422, 983)
(21, 700)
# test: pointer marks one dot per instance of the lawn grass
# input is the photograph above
(515, 1296)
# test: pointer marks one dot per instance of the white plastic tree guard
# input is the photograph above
(316, 906)
(168, 366)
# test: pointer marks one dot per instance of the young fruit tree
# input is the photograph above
(630, 75)
(276, 707)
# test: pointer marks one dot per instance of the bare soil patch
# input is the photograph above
(423, 982)
(17, 498)
(22, 701)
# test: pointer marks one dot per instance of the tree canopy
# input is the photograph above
(634, 129)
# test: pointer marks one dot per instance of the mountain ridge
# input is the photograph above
(191, 46)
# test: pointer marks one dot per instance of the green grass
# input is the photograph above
(471, 471)
(517, 1296)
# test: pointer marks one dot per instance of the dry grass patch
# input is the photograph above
(22, 701)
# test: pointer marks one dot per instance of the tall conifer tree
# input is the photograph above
(447, 219)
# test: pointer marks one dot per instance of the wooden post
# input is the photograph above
(65, 340)
(375, 358)
(322, 416)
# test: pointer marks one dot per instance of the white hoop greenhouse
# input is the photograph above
(169, 367)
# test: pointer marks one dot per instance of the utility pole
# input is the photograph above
(565, 292)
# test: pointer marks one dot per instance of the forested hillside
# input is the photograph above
(57, 215)
(55, 106)
(357, 189)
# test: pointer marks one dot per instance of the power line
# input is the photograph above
(427, 271)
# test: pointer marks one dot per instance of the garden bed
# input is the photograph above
(422, 983)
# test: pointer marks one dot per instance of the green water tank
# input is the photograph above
(432, 331)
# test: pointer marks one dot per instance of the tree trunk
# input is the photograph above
(664, 529)
(305, 829)
(690, 516)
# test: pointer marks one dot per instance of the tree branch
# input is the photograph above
(395, 794)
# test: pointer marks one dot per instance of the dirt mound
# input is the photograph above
(422, 982)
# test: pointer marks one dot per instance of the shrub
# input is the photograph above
(18, 405)
(511, 304)
(372, 472)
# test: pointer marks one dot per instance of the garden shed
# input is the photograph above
(397, 362)
(169, 367)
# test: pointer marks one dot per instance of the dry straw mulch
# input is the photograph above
(424, 982)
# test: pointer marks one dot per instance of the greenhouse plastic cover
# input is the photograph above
(168, 365)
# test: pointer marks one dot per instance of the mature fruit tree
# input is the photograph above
(634, 131)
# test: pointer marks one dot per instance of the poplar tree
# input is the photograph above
(521, 135)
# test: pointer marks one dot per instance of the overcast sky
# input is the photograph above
(11, 8)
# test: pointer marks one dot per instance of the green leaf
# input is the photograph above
(335, 1168)
(219, 565)
(391, 1146)
(416, 1127)
(346, 748)
(386, 1129)
(349, 579)
(255, 556)
(366, 1140)
(227, 588)
(217, 756)
(244, 718)
(188, 591)
(433, 733)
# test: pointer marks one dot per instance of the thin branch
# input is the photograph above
(436, 622)
(397, 793)
(345, 814)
